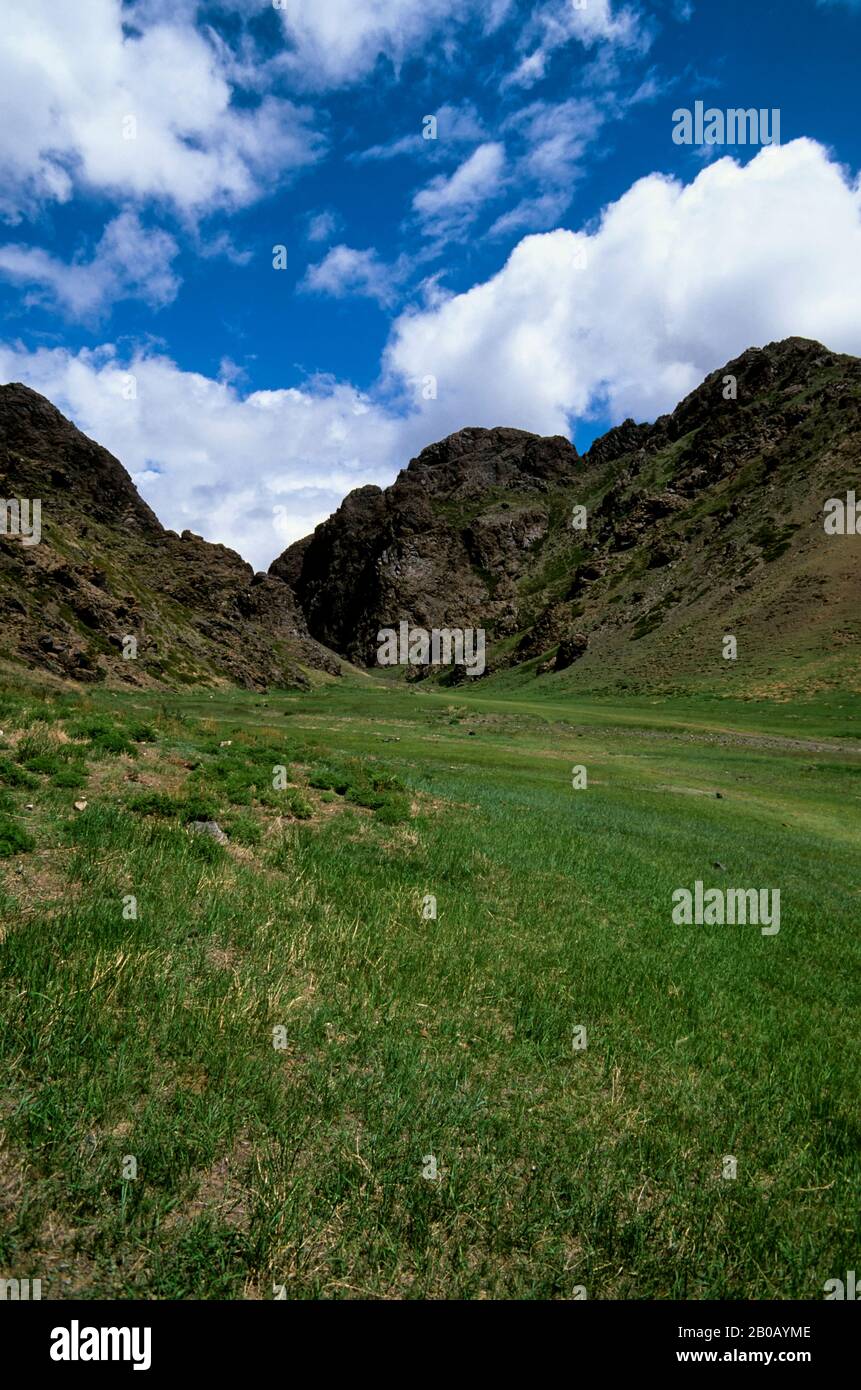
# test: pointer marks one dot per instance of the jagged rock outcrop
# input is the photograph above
(105, 570)
(446, 544)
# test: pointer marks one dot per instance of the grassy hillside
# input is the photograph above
(405, 1037)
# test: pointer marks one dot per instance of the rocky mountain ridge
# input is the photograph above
(105, 571)
(707, 521)
(621, 568)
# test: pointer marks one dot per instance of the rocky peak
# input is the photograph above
(105, 569)
(687, 516)
(51, 457)
(449, 537)
(472, 460)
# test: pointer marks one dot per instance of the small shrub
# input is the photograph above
(103, 736)
(223, 767)
(70, 777)
(114, 742)
(141, 733)
(365, 796)
(47, 763)
(238, 790)
(239, 782)
(386, 782)
(268, 796)
(394, 810)
(330, 781)
(298, 806)
(14, 839)
(197, 808)
(153, 804)
(32, 746)
(268, 755)
(14, 776)
(87, 726)
(244, 830)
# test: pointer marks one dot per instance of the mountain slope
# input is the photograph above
(449, 538)
(708, 522)
(106, 570)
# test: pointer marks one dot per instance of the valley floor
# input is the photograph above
(425, 1027)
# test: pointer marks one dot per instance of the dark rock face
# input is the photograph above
(444, 546)
(106, 570)
(550, 629)
(43, 450)
(570, 649)
(707, 520)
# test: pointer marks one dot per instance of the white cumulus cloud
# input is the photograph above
(345, 271)
(675, 280)
(455, 125)
(335, 42)
(129, 262)
(253, 472)
(322, 226)
(559, 22)
(75, 84)
(449, 203)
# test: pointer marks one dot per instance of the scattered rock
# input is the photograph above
(211, 828)
(80, 805)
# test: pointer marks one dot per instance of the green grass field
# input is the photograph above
(276, 1038)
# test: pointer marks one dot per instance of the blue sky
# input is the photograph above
(551, 260)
